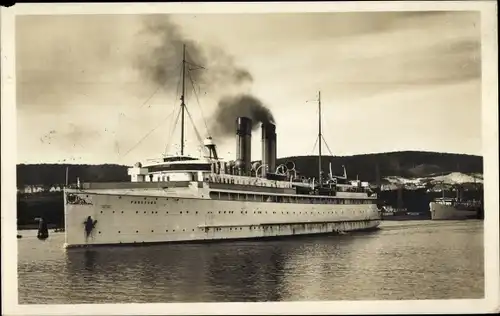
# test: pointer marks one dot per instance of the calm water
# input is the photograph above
(402, 260)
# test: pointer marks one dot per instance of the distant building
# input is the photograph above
(56, 188)
(29, 189)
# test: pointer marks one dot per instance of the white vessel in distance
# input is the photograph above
(181, 198)
(454, 209)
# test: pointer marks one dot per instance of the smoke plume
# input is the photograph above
(162, 53)
(160, 64)
(231, 107)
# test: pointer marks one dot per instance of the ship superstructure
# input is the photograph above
(455, 208)
(181, 198)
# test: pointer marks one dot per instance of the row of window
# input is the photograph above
(254, 212)
(207, 229)
(156, 212)
(247, 182)
(216, 195)
(173, 230)
(184, 230)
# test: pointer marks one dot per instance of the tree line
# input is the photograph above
(369, 167)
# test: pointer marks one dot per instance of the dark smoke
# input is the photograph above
(161, 57)
(160, 64)
(231, 107)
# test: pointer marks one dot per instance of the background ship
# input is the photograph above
(181, 198)
(456, 208)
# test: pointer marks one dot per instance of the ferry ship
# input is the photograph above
(455, 208)
(181, 198)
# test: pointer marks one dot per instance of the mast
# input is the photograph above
(320, 182)
(183, 105)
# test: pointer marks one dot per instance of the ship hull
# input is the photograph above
(451, 212)
(144, 219)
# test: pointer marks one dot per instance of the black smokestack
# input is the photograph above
(243, 144)
(161, 45)
(232, 107)
(268, 148)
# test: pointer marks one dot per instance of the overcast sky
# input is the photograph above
(389, 81)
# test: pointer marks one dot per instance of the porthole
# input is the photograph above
(119, 232)
(122, 212)
(113, 212)
(166, 231)
(136, 231)
(144, 212)
(101, 212)
(99, 232)
(196, 212)
(136, 212)
(152, 231)
(181, 212)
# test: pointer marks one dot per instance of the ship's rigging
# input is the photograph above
(319, 141)
(179, 112)
(187, 68)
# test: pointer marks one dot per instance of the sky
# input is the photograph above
(104, 88)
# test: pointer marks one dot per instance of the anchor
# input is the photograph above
(89, 226)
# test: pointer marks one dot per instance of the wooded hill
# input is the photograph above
(405, 164)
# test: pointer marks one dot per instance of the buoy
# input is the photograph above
(43, 231)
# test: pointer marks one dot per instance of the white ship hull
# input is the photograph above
(152, 216)
(450, 212)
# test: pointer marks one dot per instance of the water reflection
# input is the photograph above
(410, 261)
(90, 260)
(236, 271)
